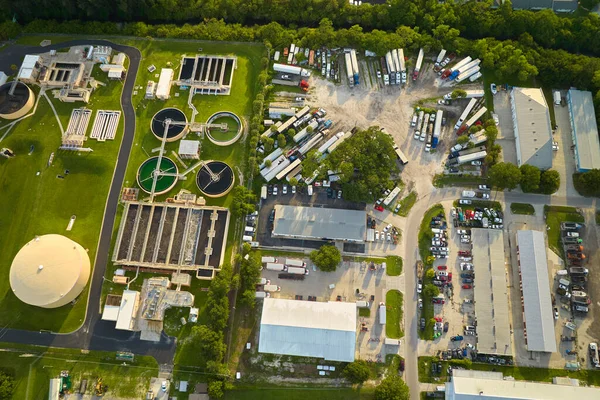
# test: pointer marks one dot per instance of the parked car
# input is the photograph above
(464, 201)
(456, 338)
(442, 267)
(484, 187)
(467, 287)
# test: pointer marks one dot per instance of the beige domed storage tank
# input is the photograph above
(49, 271)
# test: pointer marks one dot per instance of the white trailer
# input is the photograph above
(298, 137)
(465, 113)
(468, 66)
(478, 138)
(341, 137)
(440, 56)
(263, 192)
(283, 173)
(272, 157)
(349, 70)
(312, 142)
(475, 117)
(396, 65)
(278, 165)
(459, 64)
(265, 260)
(275, 267)
(475, 76)
(418, 64)
(302, 112)
(291, 53)
(297, 270)
(390, 197)
(272, 288)
(401, 59)
(470, 94)
(290, 69)
(471, 157)
(294, 262)
(382, 314)
(327, 144)
(390, 67)
(354, 66)
(468, 73)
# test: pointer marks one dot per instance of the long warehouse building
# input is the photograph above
(537, 303)
(584, 129)
(315, 223)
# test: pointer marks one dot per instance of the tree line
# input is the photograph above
(475, 20)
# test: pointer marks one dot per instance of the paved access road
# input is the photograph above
(96, 334)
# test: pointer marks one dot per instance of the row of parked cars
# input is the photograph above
(478, 217)
(572, 282)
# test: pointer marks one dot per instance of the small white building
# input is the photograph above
(189, 149)
(119, 59)
(123, 314)
(163, 89)
(150, 90)
(29, 69)
(115, 73)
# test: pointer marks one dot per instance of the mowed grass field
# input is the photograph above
(33, 367)
(299, 393)
(32, 204)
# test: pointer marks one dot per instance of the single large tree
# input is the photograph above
(392, 388)
(588, 183)
(504, 176)
(357, 371)
(530, 178)
(326, 258)
(7, 385)
(549, 181)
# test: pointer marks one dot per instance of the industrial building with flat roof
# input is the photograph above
(584, 130)
(482, 385)
(491, 293)
(308, 329)
(320, 223)
(533, 130)
(535, 286)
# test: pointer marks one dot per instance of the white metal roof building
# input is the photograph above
(479, 385)
(584, 129)
(28, 68)
(308, 329)
(535, 287)
(189, 149)
(533, 130)
(128, 310)
(320, 223)
(491, 293)
(163, 89)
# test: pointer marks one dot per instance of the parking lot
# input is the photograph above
(351, 282)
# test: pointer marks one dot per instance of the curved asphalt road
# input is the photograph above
(96, 334)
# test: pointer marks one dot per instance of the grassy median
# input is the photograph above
(522, 208)
(393, 323)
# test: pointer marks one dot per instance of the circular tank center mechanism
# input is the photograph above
(148, 171)
(215, 179)
(171, 119)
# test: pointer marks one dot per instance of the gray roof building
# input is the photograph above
(308, 329)
(585, 129)
(555, 5)
(535, 285)
(533, 130)
(320, 223)
(491, 293)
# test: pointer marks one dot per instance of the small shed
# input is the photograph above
(189, 149)
(183, 386)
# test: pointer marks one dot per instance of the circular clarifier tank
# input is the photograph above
(146, 173)
(175, 130)
(215, 179)
(16, 104)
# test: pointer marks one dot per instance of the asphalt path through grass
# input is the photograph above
(96, 334)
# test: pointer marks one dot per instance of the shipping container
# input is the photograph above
(293, 262)
(265, 260)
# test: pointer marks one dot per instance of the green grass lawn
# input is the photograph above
(407, 203)
(522, 208)
(393, 265)
(33, 367)
(299, 393)
(589, 377)
(554, 216)
(441, 180)
(33, 204)
(364, 312)
(393, 303)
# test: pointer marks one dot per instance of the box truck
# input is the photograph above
(272, 288)
(275, 267)
(265, 260)
(297, 270)
(382, 313)
(293, 262)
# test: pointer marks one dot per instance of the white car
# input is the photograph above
(485, 195)
(466, 266)
(496, 119)
(389, 237)
(294, 190)
(275, 190)
(376, 235)
(456, 147)
(387, 228)
(423, 136)
(379, 74)
(555, 146)
(484, 187)
(476, 163)
(163, 386)
(461, 232)
(453, 212)
(419, 287)
(284, 190)
(417, 135)
(420, 302)
(464, 201)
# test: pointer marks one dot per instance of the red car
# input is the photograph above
(465, 253)
(379, 207)
(438, 319)
(467, 287)
(442, 267)
(449, 276)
